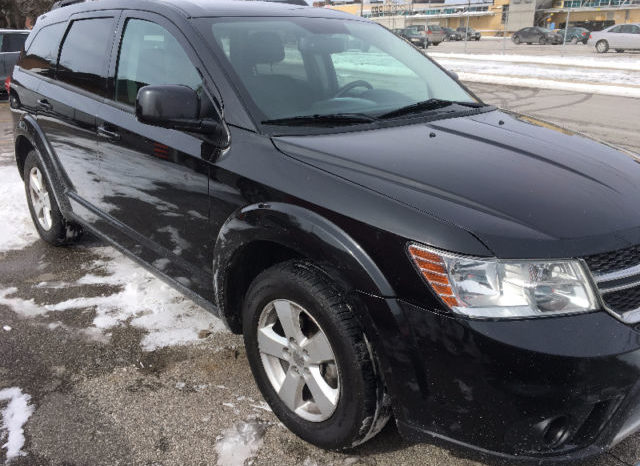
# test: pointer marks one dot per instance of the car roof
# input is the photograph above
(205, 8)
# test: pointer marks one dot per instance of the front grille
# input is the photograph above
(617, 275)
(612, 261)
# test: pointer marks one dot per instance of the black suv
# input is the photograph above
(387, 243)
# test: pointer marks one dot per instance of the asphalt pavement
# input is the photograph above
(107, 393)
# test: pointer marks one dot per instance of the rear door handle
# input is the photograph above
(44, 104)
(110, 135)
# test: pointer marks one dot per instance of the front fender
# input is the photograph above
(307, 233)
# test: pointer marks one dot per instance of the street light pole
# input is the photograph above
(466, 32)
(566, 26)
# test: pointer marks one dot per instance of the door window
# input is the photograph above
(83, 58)
(42, 54)
(150, 55)
(13, 42)
(616, 29)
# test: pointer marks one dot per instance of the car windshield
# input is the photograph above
(303, 67)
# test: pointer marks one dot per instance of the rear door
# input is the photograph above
(154, 181)
(68, 103)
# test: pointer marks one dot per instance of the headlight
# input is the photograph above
(479, 287)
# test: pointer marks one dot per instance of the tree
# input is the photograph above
(13, 13)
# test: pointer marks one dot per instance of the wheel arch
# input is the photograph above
(261, 235)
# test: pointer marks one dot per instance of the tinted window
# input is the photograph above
(635, 29)
(149, 54)
(84, 54)
(13, 42)
(42, 54)
(616, 29)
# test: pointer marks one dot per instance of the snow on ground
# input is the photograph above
(14, 416)
(17, 230)
(143, 301)
(239, 443)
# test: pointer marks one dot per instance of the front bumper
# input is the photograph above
(550, 388)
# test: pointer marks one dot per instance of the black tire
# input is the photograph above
(619, 50)
(602, 46)
(362, 408)
(574, 40)
(516, 40)
(61, 232)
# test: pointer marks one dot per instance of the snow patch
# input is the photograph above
(14, 417)
(17, 228)
(6, 328)
(239, 443)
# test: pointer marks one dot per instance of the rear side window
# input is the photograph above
(13, 42)
(150, 55)
(42, 54)
(83, 58)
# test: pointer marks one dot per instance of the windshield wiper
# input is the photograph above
(334, 119)
(425, 105)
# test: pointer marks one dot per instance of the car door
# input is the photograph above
(67, 104)
(614, 37)
(154, 181)
(634, 40)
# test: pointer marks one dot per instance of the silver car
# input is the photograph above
(620, 37)
(433, 32)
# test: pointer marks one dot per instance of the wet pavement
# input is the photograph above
(120, 369)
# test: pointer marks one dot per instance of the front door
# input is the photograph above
(154, 181)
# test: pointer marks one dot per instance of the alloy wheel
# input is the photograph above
(298, 360)
(40, 199)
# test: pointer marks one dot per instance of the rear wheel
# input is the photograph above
(310, 357)
(602, 46)
(45, 212)
(574, 40)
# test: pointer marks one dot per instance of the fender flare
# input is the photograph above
(308, 234)
(28, 128)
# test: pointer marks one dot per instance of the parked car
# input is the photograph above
(433, 32)
(536, 35)
(620, 37)
(451, 34)
(384, 240)
(11, 42)
(469, 33)
(574, 35)
(415, 37)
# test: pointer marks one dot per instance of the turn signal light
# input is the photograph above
(433, 270)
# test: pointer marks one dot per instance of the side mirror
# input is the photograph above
(177, 107)
(453, 74)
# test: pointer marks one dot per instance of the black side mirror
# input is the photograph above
(177, 107)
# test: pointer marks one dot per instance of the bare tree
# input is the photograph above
(13, 13)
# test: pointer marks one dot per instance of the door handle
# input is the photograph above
(110, 135)
(44, 104)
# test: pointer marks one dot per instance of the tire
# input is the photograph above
(516, 40)
(602, 46)
(45, 212)
(358, 407)
(619, 50)
(574, 40)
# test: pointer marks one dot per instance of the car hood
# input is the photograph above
(524, 187)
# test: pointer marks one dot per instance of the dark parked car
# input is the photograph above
(536, 35)
(385, 241)
(574, 35)
(11, 42)
(451, 34)
(416, 37)
(469, 33)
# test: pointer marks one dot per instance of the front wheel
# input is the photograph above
(45, 212)
(542, 41)
(602, 46)
(310, 357)
(516, 40)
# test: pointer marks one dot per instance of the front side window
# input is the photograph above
(150, 55)
(83, 58)
(42, 54)
(300, 67)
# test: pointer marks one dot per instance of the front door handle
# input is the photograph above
(110, 135)
(44, 104)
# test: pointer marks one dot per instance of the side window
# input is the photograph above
(84, 54)
(150, 55)
(616, 29)
(42, 54)
(13, 42)
(635, 29)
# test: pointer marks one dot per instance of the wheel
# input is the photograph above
(310, 357)
(529, 43)
(542, 41)
(516, 40)
(602, 46)
(619, 50)
(45, 212)
(574, 40)
(436, 43)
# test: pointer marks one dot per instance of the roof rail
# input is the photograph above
(63, 3)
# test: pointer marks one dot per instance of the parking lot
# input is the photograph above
(161, 382)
